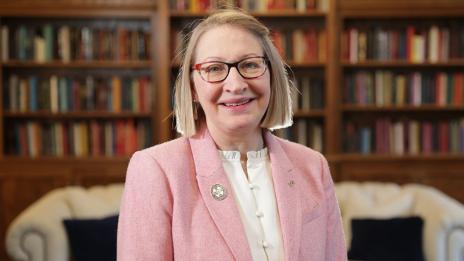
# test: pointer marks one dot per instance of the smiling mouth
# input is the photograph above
(237, 103)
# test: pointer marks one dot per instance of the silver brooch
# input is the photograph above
(218, 192)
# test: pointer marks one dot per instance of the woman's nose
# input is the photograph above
(235, 82)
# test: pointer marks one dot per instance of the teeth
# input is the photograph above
(236, 104)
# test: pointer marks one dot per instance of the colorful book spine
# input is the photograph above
(79, 138)
(405, 136)
(412, 43)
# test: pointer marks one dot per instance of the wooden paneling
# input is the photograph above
(446, 175)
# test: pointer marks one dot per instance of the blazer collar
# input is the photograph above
(225, 214)
(284, 176)
(210, 171)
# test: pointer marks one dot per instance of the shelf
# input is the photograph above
(76, 115)
(79, 11)
(306, 64)
(392, 157)
(313, 113)
(401, 12)
(79, 64)
(402, 108)
(64, 159)
(402, 64)
(284, 13)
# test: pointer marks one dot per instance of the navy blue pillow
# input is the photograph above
(398, 239)
(92, 239)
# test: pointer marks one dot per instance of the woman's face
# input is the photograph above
(235, 105)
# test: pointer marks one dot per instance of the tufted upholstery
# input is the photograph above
(38, 234)
(443, 217)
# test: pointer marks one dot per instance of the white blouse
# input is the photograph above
(256, 202)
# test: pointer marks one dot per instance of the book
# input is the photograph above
(4, 43)
(48, 35)
(54, 103)
(64, 45)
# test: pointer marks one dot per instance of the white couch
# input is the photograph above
(38, 234)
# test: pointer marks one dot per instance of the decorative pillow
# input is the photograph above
(92, 239)
(398, 239)
(380, 204)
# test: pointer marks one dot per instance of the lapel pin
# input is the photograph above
(218, 192)
(291, 183)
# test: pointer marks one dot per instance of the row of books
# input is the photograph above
(77, 138)
(399, 137)
(412, 43)
(60, 94)
(305, 132)
(45, 43)
(384, 88)
(310, 93)
(249, 5)
(301, 45)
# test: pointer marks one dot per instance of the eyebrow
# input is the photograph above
(219, 59)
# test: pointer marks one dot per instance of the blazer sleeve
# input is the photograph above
(335, 245)
(144, 228)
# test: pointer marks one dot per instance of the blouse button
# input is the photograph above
(259, 213)
(251, 186)
(264, 244)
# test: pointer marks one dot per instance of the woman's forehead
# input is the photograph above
(227, 42)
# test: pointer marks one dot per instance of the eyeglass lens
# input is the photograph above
(218, 71)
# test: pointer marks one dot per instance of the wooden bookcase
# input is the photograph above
(441, 166)
(24, 178)
(104, 62)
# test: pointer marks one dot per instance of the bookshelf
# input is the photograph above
(82, 91)
(400, 83)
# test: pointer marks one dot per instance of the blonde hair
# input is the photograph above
(279, 111)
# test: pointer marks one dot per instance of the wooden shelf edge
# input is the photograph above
(400, 108)
(79, 64)
(72, 115)
(312, 113)
(451, 63)
(43, 159)
(82, 11)
(352, 157)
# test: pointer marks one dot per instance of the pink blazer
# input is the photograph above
(168, 212)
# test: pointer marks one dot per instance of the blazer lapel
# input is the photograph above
(225, 214)
(287, 196)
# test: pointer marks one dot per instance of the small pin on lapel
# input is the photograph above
(218, 192)
(291, 183)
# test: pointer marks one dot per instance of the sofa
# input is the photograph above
(38, 233)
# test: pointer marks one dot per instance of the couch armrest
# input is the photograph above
(38, 232)
(34, 234)
(456, 244)
(442, 215)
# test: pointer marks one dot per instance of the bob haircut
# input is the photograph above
(190, 116)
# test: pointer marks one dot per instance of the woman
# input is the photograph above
(229, 189)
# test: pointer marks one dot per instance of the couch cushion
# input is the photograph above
(92, 239)
(398, 239)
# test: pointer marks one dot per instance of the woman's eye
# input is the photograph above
(214, 68)
(250, 65)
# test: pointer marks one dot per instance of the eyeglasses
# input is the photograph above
(216, 71)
